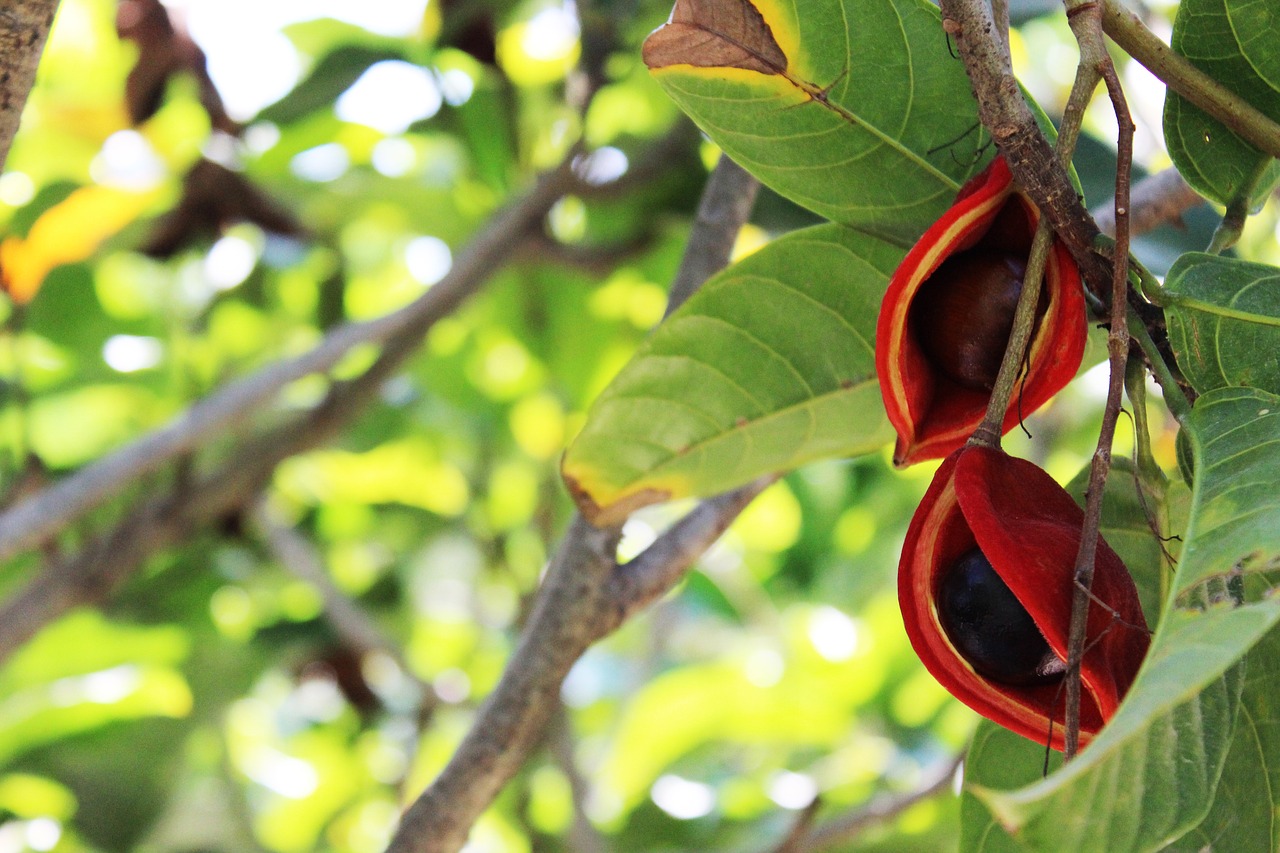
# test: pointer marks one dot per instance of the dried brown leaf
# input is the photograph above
(716, 34)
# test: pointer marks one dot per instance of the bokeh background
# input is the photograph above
(212, 704)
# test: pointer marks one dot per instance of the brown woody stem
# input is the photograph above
(1085, 18)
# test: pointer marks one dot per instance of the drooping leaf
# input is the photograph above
(1152, 772)
(1224, 321)
(1149, 776)
(856, 111)
(771, 364)
(1221, 38)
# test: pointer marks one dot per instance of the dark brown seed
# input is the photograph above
(963, 315)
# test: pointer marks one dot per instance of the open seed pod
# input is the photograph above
(947, 314)
(998, 643)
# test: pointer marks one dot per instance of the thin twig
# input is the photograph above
(350, 623)
(800, 828)
(1086, 22)
(1024, 321)
(841, 830)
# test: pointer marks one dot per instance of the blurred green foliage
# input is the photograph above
(210, 705)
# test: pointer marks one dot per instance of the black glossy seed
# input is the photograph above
(990, 628)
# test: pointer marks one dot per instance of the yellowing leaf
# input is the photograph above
(65, 233)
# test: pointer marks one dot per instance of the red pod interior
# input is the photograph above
(932, 414)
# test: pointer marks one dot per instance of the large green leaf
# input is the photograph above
(1220, 37)
(1242, 817)
(1153, 770)
(854, 110)
(1150, 775)
(1224, 321)
(771, 364)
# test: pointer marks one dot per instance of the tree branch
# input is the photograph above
(572, 611)
(726, 203)
(1155, 200)
(39, 517)
(654, 572)
(24, 28)
(584, 597)
(162, 522)
(841, 830)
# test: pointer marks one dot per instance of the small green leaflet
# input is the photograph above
(1224, 321)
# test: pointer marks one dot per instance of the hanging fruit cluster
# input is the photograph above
(987, 569)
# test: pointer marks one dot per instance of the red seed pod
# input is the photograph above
(1027, 528)
(948, 312)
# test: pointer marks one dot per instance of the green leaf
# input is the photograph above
(1235, 505)
(1153, 770)
(770, 365)
(1242, 815)
(1150, 775)
(854, 110)
(1224, 321)
(1255, 23)
(1128, 517)
(1216, 162)
(997, 759)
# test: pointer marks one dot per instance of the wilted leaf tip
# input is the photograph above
(716, 34)
(615, 512)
